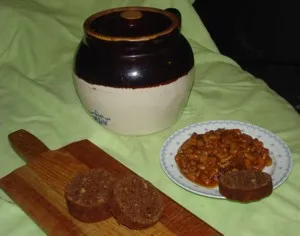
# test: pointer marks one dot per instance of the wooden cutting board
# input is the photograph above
(38, 188)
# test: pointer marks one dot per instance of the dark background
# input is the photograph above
(262, 36)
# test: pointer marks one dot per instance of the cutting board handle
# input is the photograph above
(26, 145)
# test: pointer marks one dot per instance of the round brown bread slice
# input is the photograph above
(245, 185)
(87, 195)
(136, 203)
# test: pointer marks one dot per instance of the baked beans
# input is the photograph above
(204, 157)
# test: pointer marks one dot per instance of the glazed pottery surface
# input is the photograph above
(134, 70)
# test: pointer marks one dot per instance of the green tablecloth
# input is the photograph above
(37, 44)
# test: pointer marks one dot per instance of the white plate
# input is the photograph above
(279, 152)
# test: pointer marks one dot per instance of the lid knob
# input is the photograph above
(131, 15)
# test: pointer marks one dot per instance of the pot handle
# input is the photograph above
(176, 12)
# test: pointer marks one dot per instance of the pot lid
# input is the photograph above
(131, 24)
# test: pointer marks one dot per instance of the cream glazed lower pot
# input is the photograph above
(133, 69)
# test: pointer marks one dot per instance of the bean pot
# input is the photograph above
(133, 69)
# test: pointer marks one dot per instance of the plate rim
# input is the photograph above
(211, 122)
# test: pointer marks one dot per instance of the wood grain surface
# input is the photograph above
(38, 188)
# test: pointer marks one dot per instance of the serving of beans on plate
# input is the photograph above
(204, 157)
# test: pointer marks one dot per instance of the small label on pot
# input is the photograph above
(99, 118)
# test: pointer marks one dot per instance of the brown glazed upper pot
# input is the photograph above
(133, 47)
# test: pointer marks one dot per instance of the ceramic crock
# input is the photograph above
(133, 69)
